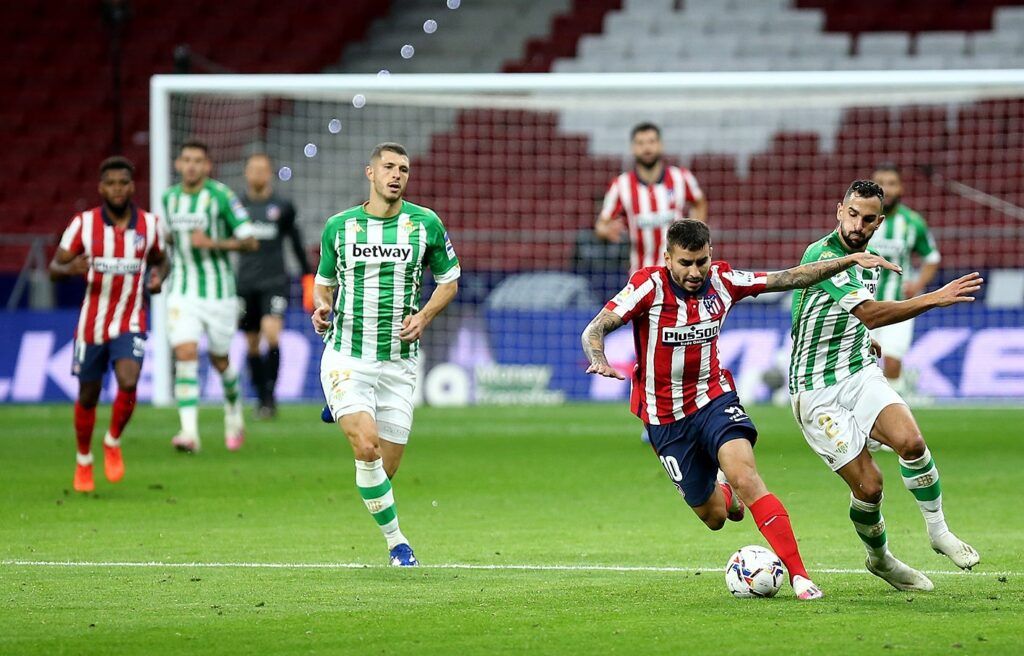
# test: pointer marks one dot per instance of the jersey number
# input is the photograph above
(671, 465)
(825, 422)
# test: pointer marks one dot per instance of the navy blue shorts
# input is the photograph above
(92, 361)
(688, 448)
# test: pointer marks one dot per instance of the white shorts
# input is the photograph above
(189, 318)
(384, 389)
(895, 339)
(836, 421)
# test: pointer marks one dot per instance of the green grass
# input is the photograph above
(489, 486)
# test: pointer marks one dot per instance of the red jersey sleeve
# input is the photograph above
(71, 240)
(635, 298)
(612, 205)
(741, 284)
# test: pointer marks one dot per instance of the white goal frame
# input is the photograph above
(530, 90)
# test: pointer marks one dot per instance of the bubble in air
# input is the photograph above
(430, 26)
(383, 73)
(454, 4)
(334, 126)
(358, 101)
(284, 174)
(408, 51)
(309, 150)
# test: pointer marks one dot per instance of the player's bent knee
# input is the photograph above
(869, 491)
(913, 447)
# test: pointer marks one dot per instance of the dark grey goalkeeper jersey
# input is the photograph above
(272, 221)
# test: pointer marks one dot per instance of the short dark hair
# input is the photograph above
(646, 126)
(194, 143)
(391, 147)
(689, 234)
(117, 163)
(864, 189)
(887, 167)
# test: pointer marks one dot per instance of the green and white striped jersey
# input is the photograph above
(215, 209)
(829, 343)
(902, 234)
(377, 264)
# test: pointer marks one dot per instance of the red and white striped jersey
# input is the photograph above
(677, 369)
(649, 209)
(114, 302)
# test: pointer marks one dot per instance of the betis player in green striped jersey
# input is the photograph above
(206, 221)
(840, 397)
(372, 259)
(903, 235)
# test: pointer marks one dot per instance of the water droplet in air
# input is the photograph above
(358, 100)
(408, 51)
(284, 173)
(334, 126)
(309, 150)
(430, 26)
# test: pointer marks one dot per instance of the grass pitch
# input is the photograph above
(543, 530)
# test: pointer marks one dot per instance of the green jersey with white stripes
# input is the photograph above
(377, 264)
(216, 210)
(903, 233)
(829, 343)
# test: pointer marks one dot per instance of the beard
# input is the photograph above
(855, 240)
(648, 162)
(118, 208)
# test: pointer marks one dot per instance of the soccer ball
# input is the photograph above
(754, 572)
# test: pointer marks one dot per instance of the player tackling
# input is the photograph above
(207, 222)
(840, 397)
(373, 256)
(111, 245)
(685, 398)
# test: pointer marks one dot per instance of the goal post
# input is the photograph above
(516, 166)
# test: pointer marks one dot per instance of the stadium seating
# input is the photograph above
(58, 124)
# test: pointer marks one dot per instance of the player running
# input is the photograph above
(373, 255)
(685, 398)
(903, 235)
(111, 245)
(650, 197)
(207, 221)
(262, 279)
(840, 397)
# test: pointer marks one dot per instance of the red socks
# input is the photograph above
(124, 404)
(85, 420)
(773, 522)
(727, 493)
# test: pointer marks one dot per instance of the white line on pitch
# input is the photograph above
(528, 568)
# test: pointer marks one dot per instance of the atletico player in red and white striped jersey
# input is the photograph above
(681, 392)
(650, 197)
(111, 245)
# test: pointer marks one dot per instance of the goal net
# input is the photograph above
(517, 167)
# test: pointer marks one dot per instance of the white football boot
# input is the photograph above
(962, 554)
(899, 575)
(805, 589)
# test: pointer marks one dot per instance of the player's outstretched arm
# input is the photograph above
(414, 324)
(159, 267)
(203, 241)
(323, 301)
(812, 273)
(593, 344)
(875, 314)
(66, 264)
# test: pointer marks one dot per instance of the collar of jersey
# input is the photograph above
(362, 208)
(661, 178)
(682, 293)
(133, 216)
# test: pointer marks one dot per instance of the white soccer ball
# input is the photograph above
(754, 572)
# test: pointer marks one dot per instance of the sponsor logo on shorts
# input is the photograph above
(118, 266)
(698, 333)
(380, 253)
(138, 346)
(736, 413)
